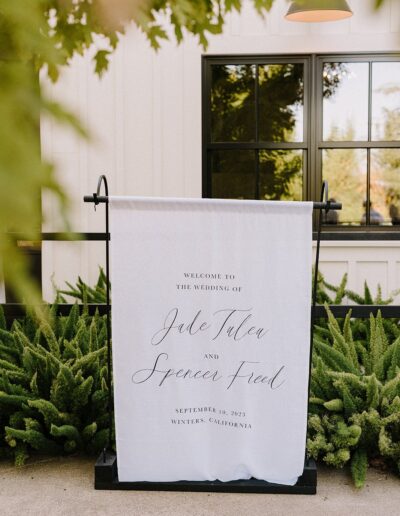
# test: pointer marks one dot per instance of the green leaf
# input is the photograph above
(12, 399)
(51, 339)
(50, 413)
(359, 464)
(333, 358)
(86, 361)
(395, 359)
(334, 405)
(20, 454)
(367, 295)
(81, 394)
(62, 389)
(101, 60)
(69, 432)
(3, 324)
(89, 431)
(35, 439)
(70, 327)
(392, 388)
(373, 392)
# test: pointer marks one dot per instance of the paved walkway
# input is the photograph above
(65, 487)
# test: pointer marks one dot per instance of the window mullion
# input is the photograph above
(257, 137)
(368, 199)
(315, 113)
(370, 101)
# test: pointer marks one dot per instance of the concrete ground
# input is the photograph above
(64, 486)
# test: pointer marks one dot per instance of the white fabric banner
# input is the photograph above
(211, 304)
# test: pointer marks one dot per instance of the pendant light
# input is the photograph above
(318, 11)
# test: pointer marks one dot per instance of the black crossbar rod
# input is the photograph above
(96, 198)
(74, 237)
(59, 236)
(327, 234)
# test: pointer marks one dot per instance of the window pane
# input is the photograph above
(281, 101)
(386, 101)
(233, 103)
(233, 174)
(345, 101)
(281, 175)
(346, 173)
(385, 186)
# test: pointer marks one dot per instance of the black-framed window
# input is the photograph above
(275, 126)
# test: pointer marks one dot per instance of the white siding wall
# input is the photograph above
(145, 120)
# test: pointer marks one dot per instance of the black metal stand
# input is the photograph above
(106, 477)
(106, 471)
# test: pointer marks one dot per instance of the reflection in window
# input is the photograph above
(386, 101)
(281, 175)
(385, 186)
(256, 135)
(281, 100)
(346, 173)
(233, 174)
(233, 103)
(345, 101)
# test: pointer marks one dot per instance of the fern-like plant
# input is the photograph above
(336, 294)
(53, 389)
(355, 397)
(53, 384)
(83, 292)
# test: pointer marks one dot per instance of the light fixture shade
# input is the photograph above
(318, 11)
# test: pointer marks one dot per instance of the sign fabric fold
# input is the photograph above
(211, 304)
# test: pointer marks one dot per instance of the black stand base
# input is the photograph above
(106, 477)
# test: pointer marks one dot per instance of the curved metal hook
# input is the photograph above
(102, 179)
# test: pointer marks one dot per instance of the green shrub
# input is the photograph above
(53, 384)
(83, 292)
(355, 396)
(335, 295)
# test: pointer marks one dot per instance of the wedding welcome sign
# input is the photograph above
(211, 335)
